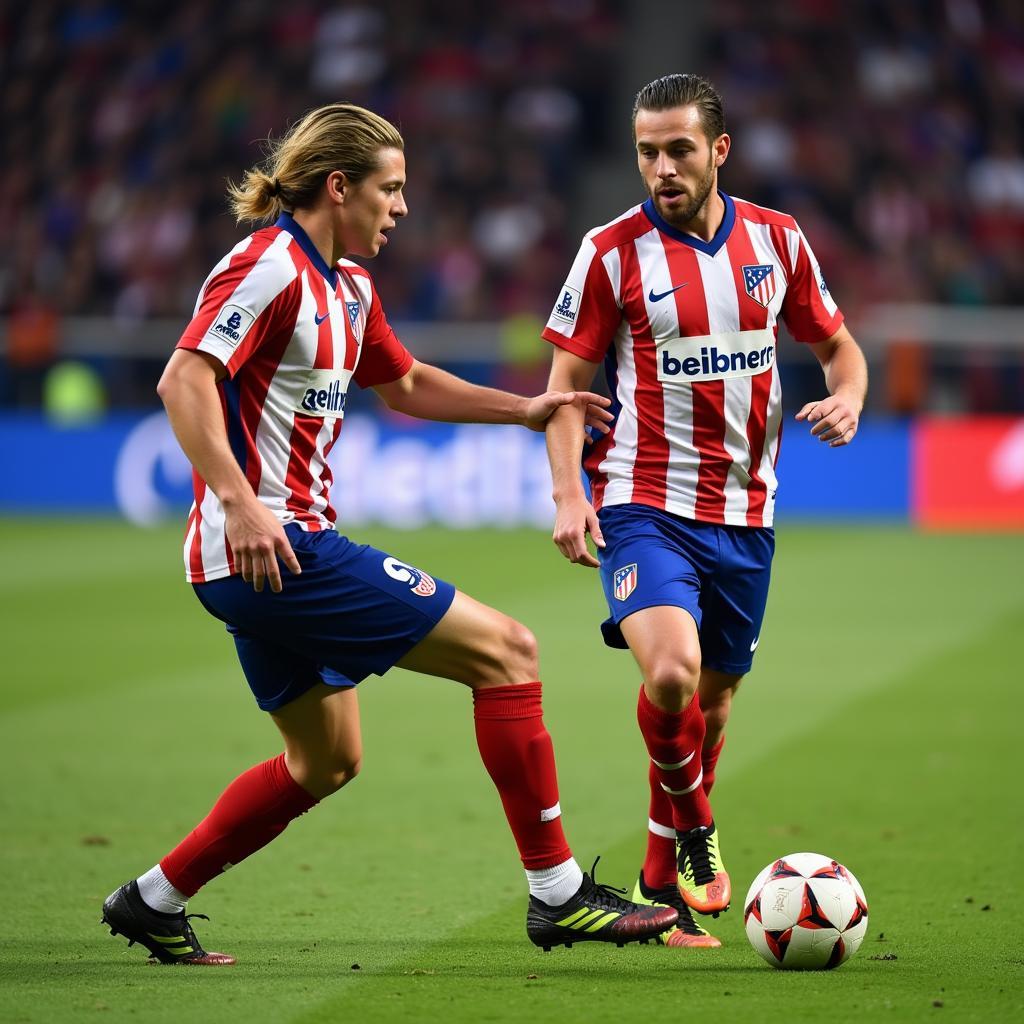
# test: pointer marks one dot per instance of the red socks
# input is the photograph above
(517, 752)
(709, 761)
(660, 860)
(254, 809)
(674, 743)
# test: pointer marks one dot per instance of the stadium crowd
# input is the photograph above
(892, 131)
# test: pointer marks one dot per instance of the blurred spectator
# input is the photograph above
(892, 131)
(149, 107)
(32, 329)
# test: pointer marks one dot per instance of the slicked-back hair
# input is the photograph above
(337, 137)
(684, 91)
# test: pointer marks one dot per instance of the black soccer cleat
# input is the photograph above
(597, 913)
(168, 937)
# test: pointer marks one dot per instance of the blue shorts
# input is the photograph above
(719, 574)
(352, 611)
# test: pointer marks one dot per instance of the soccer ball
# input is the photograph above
(805, 912)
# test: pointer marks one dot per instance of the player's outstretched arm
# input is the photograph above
(835, 419)
(188, 389)
(430, 393)
(574, 515)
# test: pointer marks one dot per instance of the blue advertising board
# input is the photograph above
(406, 474)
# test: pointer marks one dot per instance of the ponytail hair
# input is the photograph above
(337, 137)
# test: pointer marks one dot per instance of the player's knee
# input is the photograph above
(323, 779)
(522, 652)
(672, 682)
(510, 657)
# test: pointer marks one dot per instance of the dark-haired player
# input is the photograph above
(681, 297)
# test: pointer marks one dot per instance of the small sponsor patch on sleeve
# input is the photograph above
(230, 325)
(567, 306)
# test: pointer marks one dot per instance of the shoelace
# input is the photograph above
(696, 847)
(190, 935)
(608, 896)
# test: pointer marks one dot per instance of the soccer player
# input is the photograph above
(681, 297)
(256, 395)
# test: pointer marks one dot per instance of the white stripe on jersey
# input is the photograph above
(617, 464)
(211, 535)
(613, 267)
(683, 459)
(724, 316)
(318, 489)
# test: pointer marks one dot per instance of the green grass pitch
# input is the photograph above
(881, 725)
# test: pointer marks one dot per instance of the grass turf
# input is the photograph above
(879, 726)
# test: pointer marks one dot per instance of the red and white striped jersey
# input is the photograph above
(292, 333)
(688, 332)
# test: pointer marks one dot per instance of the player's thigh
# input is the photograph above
(476, 645)
(665, 642)
(643, 566)
(735, 599)
(322, 736)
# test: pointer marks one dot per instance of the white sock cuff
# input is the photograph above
(555, 886)
(158, 893)
(666, 831)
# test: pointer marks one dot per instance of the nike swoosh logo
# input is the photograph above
(657, 297)
(318, 320)
(753, 646)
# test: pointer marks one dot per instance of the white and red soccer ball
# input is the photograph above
(805, 912)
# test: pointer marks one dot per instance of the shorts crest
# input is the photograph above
(624, 581)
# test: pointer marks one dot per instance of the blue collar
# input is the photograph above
(288, 223)
(716, 243)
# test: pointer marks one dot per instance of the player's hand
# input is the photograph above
(574, 519)
(257, 538)
(835, 419)
(595, 409)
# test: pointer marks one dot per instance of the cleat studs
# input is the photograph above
(547, 949)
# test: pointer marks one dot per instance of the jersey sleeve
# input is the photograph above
(810, 312)
(252, 297)
(586, 314)
(383, 357)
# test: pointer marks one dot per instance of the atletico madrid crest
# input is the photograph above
(624, 581)
(759, 280)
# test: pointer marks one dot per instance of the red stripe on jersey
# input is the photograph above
(326, 475)
(762, 214)
(227, 281)
(621, 233)
(708, 397)
(651, 465)
(592, 463)
(778, 237)
(753, 316)
(299, 477)
(195, 555)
